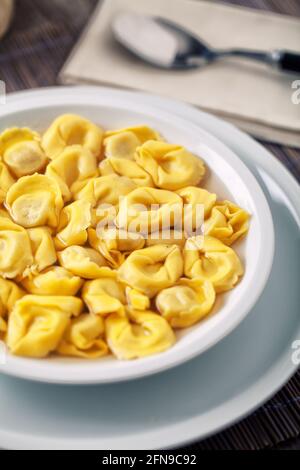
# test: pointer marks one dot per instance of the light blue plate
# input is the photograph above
(208, 393)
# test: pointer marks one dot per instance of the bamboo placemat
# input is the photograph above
(31, 55)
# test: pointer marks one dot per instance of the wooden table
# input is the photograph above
(31, 56)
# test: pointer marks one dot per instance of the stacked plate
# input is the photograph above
(218, 372)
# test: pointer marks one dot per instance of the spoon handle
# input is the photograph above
(289, 61)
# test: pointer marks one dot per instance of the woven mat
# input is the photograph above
(31, 55)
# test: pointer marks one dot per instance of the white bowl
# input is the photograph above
(228, 177)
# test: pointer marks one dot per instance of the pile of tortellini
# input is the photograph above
(71, 288)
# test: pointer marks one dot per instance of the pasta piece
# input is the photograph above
(104, 296)
(6, 181)
(104, 194)
(152, 269)
(137, 300)
(68, 130)
(43, 250)
(148, 210)
(72, 170)
(171, 166)
(10, 292)
(198, 204)
(114, 244)
(3, 328)
(166, 237)
(209, 259)
(74, 221)
(53, 281)
(15, 249)
(37, 324)
(227, 222)
(21, 151)
(35, 201)
(140, 335)
(124, 142)
(83, 262)
(128, 168)
(84, 338)
(186, 303)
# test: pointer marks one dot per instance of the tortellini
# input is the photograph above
(209, 259)
(152, 269)
(104, 296)
(128, 168)
(6, 181)
(149, 209)
(72, 170)
(15, 249)
(43, 250)
(84, 262)
(124, 142)
(198, 204)
(140, 335)
(21, 150)
(84, 338)
(74, 221)
(114, 244)
(37, 324)
(53, 281)
(10, 292)
(108, 244)
(172, 167)
(186, 303)
(68, 130)
(227, 222)
(35, 201)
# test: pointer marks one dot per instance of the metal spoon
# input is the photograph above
(165, 44)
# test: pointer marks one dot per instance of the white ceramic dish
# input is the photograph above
(228, 177)
(204, 395)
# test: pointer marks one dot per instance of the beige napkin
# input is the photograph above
(256, 98)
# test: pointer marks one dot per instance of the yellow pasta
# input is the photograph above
(227, 222)
(15, 249)
(43, 250)
(128, 168)
(172, 167)
(35, 201)
(84, 338)
(68, 130)
(72, 170)
(147, 210)
(114, 244)
(74, 221)
(107, 242)
(53, 281)
(83, 262)
(140, 335)
(124, 142)
(37, 323)
(6, 181)
(209, 259)
(152, 269)
(104, 296)
(186, 303)
(21, 151)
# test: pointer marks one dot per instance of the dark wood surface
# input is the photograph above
(31, 55)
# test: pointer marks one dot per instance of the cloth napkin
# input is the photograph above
(253, 96)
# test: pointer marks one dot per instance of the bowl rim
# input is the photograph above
(92, 96)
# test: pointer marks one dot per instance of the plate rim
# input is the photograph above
(281, 370)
